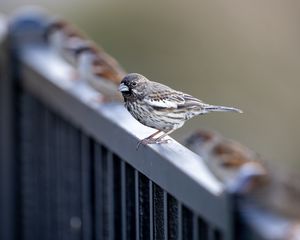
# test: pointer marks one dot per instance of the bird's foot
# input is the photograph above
(147, 141)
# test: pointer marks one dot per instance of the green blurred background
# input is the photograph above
(237, 53)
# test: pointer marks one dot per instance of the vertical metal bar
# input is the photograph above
(117, 196)
(151, 209)
(159, 218)
(98, 189)
(64, 174)
(47, 173)
(110, 195)
(137, 205)
(180, 222)
(203, 232)
(86, 186)
(217, 234)
(9, 165)
(210, 233)
(195, 227)
(144, 214)
(123, 199)
(187, 223)
(74, 193)
(173, 218)
(52, 173)
(58, 156)
(130, 203)
(165, 215)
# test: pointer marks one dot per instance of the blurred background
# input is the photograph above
(244, 54)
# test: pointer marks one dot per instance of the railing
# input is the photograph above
(70, 170)
(74, 172)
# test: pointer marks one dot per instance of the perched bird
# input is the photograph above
(245, 174)
(158, 106)
(92, 59)
(99, 70)
(63, 36)
(238, 167)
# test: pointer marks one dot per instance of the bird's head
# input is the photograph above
(133, 85)
(82, 51)
(52, 26)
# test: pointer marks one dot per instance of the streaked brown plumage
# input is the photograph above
(158, 106)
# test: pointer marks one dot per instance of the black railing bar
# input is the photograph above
(98, 225)
(179, 219)
(165, 203)
(195, 227)
(175, 162)
(151, 200)
(137, 205)
(110, 194)
(87, 184)
(9, 169)
(123, 200)
(211, 232)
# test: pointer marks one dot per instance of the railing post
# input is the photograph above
(8, 144)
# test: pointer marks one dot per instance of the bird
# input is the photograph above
(247, 175)
(99, 70)
(238, 167)
(161, 107)
(92, 59)
(63, 36)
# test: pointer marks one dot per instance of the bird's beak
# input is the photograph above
(123, 88)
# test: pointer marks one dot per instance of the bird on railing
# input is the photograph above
(246, 174)
(94, 65)
(160, 107)
(238, 167)
(62, 36)
(92, 59)
(99, 70)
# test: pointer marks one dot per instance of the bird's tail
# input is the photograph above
(213, 108)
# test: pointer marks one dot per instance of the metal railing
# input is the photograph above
(73, 164)
(69, 168)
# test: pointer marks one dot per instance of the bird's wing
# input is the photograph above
(162, 96)
(164, 100)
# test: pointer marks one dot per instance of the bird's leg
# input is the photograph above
(147, 140)
(160, 139)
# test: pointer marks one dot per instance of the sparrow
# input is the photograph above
(63, 36)
(238, 167)
(99, 70)
(246, 174)
(161, 107)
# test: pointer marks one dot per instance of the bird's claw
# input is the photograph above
(151, 141)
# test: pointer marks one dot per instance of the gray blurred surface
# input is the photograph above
(244, 54)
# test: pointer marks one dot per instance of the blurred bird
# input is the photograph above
(246, 174)
(63, 36)
(99, 70)
(238, 167)
(158, 106)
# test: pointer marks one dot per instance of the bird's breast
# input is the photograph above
(158, 119)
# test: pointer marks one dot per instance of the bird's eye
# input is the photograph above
(134, 84)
